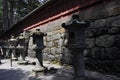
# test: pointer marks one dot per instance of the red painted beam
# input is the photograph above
(61, 14)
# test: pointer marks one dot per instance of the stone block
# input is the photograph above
(116, 23)
(87, 53)
(105, 41)
(56, 42)
(59, 50)
(45, 56)
(53, 50)
(51, 57)
(58, 57)
(112, 21)
(61, 42)
(48, 38)
(66, 50)
(99, 23)
(49, 33)
(112, 53)
(90, 42)
(101, 31)
(56, 36)
(117, 41)
(50, 44)
(90, 33)
(46, 50)
(98, 53)
(114, 30)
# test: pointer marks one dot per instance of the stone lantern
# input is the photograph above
(22, 48)
(12, 46)
(76, 44)
(0, 50)
(38, 46)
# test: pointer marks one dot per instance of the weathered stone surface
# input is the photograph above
(116, 23)
(105, 41)
(103, 11)
(50, 44)
(90, 33)
(47, 50)
(112, 53)
(45, 40)
(101, 31)
(53, 50)
(90, 42)
(58, 58)
(56, 36)
(51, 57)
(98, 53)
(49, 33)
(56, 43)
(45, 56)
(66, 50)
(99, 23)
(87, 53)
(112, 21)
(67, 59)
(59, 50)
(48, 38)
(117, 41)
(114, 30)
(61, 42)
(31, 53)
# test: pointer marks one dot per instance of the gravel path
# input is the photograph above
(21, 72)
(56, 72)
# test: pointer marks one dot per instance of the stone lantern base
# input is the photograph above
(38, 71)
(23, 62)
(14, 59)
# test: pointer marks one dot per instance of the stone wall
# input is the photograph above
(55, 50)
(103, 44)
(103, 38)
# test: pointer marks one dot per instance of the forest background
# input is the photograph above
(12, 11)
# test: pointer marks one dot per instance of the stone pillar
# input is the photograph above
(27, 36)
(12, 46)
(0, 54)
(22, 48)
(76, 44)
(38, 46)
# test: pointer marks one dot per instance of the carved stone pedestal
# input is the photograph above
(38, 71)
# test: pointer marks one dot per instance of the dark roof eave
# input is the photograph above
(29, 14)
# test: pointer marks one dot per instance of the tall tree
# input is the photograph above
(5, 15)
(14, 10)
(11, 11)
(1, 17)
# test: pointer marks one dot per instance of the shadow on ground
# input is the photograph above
(11, 74)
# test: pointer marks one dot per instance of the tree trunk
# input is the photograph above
(11, 14)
